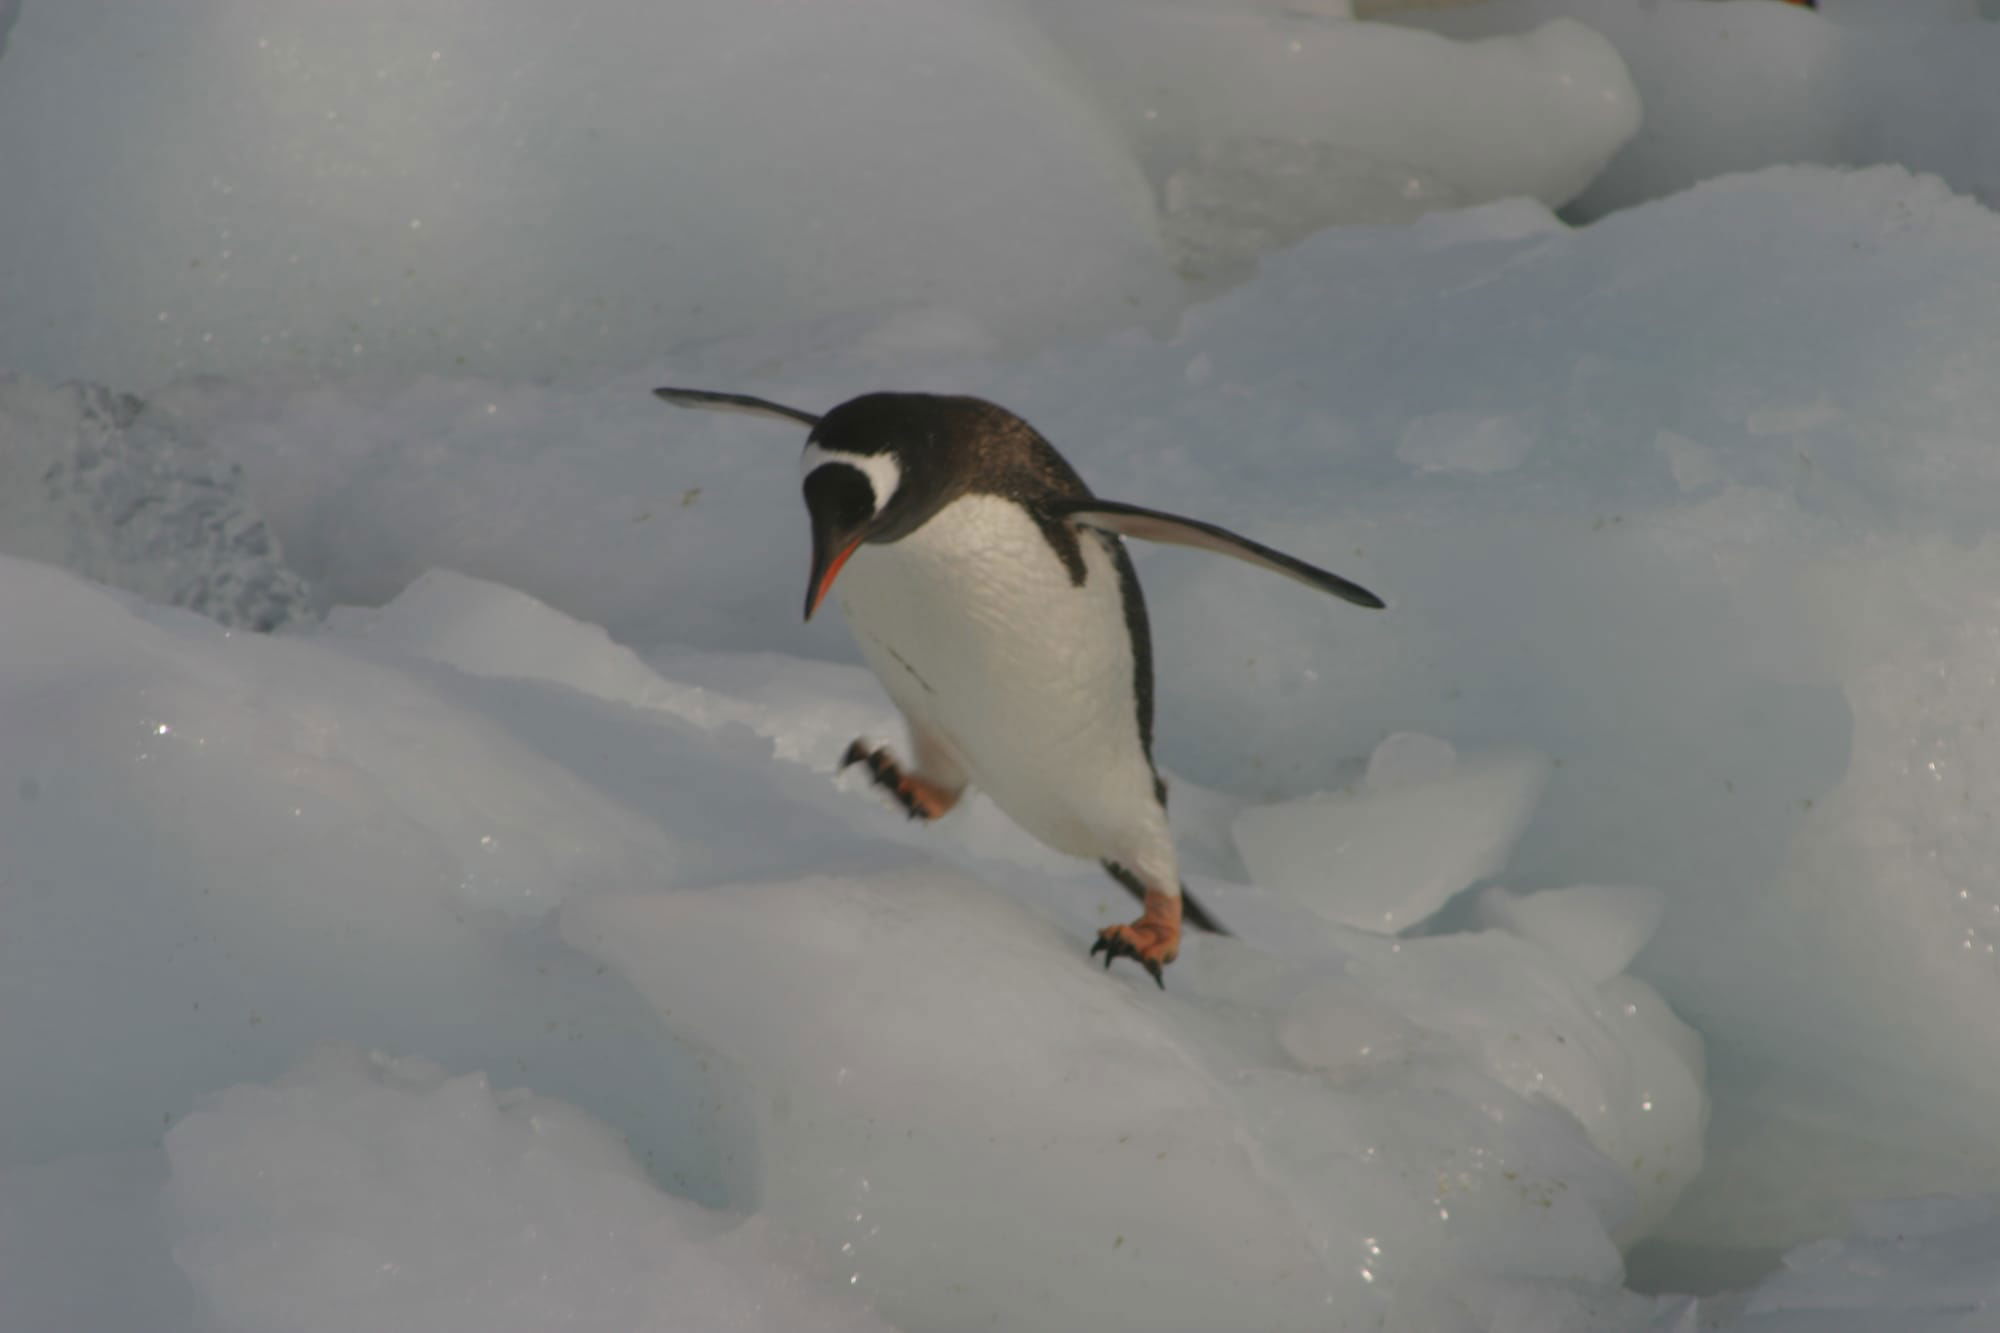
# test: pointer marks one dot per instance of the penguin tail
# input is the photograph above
(1198, 916)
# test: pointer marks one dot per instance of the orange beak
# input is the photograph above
(825, 570)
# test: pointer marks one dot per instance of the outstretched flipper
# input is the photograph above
(734, 402)
(1154, 526)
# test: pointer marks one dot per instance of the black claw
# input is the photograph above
(882, 768)
(1117, 946)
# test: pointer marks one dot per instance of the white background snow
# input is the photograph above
(493, 946)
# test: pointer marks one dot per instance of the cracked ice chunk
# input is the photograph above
(1424, 824)
(1598, 928)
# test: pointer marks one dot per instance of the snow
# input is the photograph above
(92, 481)
(513, 191)
(1261, 125)
(912, 1038)
(1743, 85)
(900, 1038)
(363, 1192)
(1613, 912)
(1916, 1263)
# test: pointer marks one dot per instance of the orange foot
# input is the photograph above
(1153, 941)
(919, 797)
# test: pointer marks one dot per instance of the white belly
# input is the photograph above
(980, 637)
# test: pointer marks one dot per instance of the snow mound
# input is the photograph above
(1261, 125)
(378, 186)
(484, 629)
(364, 1192)
(926, 1064)
(1739, 86)
(451, 187)
(256, 841)
(94, 482)
(230, 846)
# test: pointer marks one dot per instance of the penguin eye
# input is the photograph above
(880, 471)
(841, 496)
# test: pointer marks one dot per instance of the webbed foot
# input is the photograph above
(1153, 941)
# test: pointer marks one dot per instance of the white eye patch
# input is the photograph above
(882, 471)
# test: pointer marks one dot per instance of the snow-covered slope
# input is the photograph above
(1699, 515)
(230, 847)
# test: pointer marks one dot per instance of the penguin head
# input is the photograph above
(880, 466)
(855, 463)
(847, 496)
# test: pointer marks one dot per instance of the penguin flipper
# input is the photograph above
(733, 402)
(1154, 526)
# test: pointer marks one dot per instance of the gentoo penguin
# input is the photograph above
(992, 595)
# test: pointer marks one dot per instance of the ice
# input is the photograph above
(1460, 442)
(906, 1044)
(927, 1064)
(93, 481)
(1261, 124)
(1695, 503)
(1408, 759)
(1738, 594)
(219, 846)
(486, 629)
(1421, 825)
(1914, 1265)
(360, 1191)
(928, 1068)
(354, 182)
(1738, 86)
(81, 1246)
(1598, 927)
(1610, 1054)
